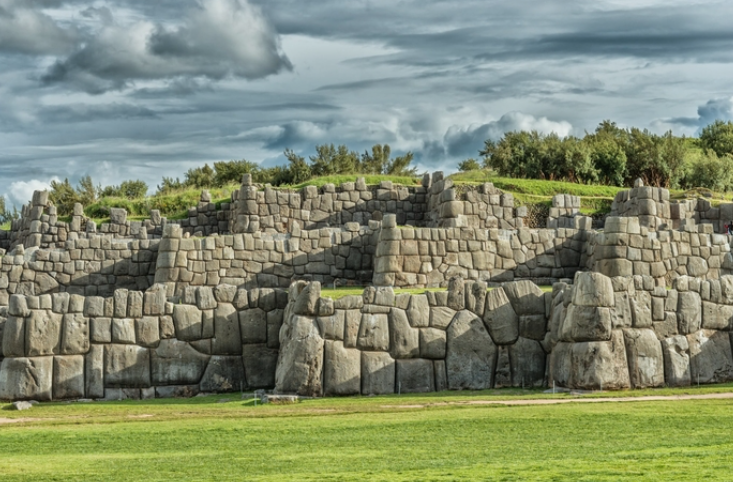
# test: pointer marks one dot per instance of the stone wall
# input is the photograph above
(277, 211)
(329, 255)
(139, 345)
(382, 343)
(94, 266)
(430, 257)
(615, 333)
(626, 248)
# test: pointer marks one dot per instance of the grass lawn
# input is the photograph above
(429, 437)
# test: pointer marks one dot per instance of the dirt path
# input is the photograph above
(556, 401)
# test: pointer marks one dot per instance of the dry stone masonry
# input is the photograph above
(230, 298)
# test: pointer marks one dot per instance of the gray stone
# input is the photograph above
(586, 323)
(711, 360)
(561, 365)
(175, 362)
(500, 318)
(223, 374)
(600, 364)
(21, 406)
(533, 326)
(341, 369)
(227, 335)
(13, 341)
(526, 297)
(94, 372)
(593, 289)
(377, 373)
(717, 317)
(260, 365)
(470, 353)
(418, 311)
(645, 358)
(123, 330)
(527, 363)
(126, 366)
(42, 333)
(101, 330)
(441, 316)
(188, 322)
(456, 293)
(689, 312)
(432, 343)
(415, 376)
(253, 325)
(68, 377)
(352, 322)
(373, 332)
(300, 362)
(332, 327)
(621, 312)
(75, 338)
(641, 309)
(676, 352)
(205, 298)
(26, 378)
(405, 341)
(148, 331)
(306, 301)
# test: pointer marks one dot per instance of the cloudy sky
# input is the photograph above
(140, 89)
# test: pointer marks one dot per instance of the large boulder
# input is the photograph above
(689, 312)
(253, 324)
(341, 369)
(415, 376)
(175, 362)
(260, 363)
(586, 323)
(526, 297)
(68, 377)
(600, 364)
(126, 366)
(470, 353)
(373, 332)
(405, 341)
(223, 374)
(26, 378)
(593, 289)
(500, 319)
(711, 360)
(188, 322)
(418, 311)
(527, 363)
(227, 336)
(75, 338)
(377, 373)
(300, 362)
(676, 352)
(42, 333)
(645, 358)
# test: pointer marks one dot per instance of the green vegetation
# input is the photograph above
(340, 292)
(616, 156)
(443, 436)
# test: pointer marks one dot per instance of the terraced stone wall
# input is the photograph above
(463, 338)
(627, 248)
(616, 333)
(429, 257)
(139, 345)
(329, 255)
(95, 267)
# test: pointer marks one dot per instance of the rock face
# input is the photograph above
(26, 378)
(470, 353)
(710, 357)
(500, 318)
(126, 366)
(301, 357)
(341, 369)
(377, 373)
(177, 363)
(645, 359)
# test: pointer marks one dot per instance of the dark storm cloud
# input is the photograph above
(215, 39)
(175, 83)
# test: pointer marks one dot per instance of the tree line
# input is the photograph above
(614, 156)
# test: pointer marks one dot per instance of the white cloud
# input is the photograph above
(20, 192)
(27, 30)
(467, 140)
(220, 38)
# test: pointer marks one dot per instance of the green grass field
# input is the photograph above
(436, 437)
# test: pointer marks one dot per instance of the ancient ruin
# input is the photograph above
(229, 299)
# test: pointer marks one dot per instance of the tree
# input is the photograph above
(63, 195)
(200, 177)
(232, 171)
(298, 169)
(470, 164)
(718, 137)
(333, 160)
